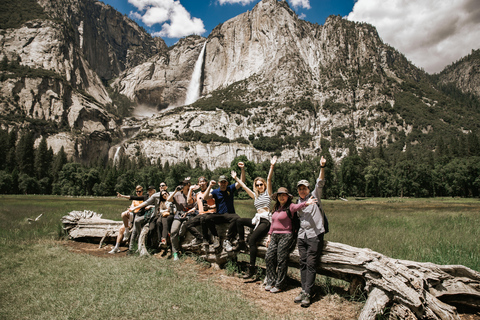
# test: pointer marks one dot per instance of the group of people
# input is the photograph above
(285, 224)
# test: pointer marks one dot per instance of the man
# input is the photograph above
(310, 234)
(225, 209)
(204, 207)
(163, 186)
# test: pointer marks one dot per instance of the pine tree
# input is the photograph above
(58, 163)
(25, 154)
(42, 159)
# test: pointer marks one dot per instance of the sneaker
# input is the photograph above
(227, 245)
(175, 256)
(268, 287)
(306, 300)
(114, 250)
(300, 297)
(275, 290)
(163, 244)
(216, 242)
(195, 242)
(126, 234)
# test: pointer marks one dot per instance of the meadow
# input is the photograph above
(41, 279)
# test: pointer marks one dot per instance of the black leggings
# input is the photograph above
(260, 231)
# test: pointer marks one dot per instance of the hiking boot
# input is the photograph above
(250, 273)
(126, 234)
(114, 250)
(216, 242)
(175, 256)
(305, 301)
(300, 297)
(163, 244)
(227, 245)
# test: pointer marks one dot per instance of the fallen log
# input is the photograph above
(409, 289)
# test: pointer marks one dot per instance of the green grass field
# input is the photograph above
(41, 279)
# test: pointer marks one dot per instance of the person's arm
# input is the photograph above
(143, 204)
(242, 174)
(172, 195)
(189, 194)
(119, 195)
(294, 207)
(207, 193)
(270, 174)
(317, 192)
(200, 203)
(242, 184)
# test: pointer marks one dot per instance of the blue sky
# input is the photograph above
(431, 33)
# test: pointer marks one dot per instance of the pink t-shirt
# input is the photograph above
(281, 223)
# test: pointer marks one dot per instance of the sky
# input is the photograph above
(430, 33)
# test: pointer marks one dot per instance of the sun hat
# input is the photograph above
(281, 190)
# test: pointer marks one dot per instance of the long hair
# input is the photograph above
(254, 185)
(287, 205)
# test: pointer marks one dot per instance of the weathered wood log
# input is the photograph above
(409, 289)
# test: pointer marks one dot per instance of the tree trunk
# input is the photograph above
(407, 289)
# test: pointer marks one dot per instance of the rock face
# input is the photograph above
(67, 59)
(270, 83)
(162, 80)
(464, 74)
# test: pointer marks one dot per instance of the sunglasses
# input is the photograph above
(138, 191)
(259, 185)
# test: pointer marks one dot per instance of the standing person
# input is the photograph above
(310, 234)
(185, 207)
(260, 224)
(225, 209)
(204, 207)
(280, 238)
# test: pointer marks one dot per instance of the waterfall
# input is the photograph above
(116, 158)
(193, 91)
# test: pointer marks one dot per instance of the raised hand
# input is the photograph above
(310, 201)
(194, 187)
(212, 183)
(323, 161)
(241, 165)
(273, 160)
(233, 173)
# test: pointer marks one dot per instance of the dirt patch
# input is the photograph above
(332, 306)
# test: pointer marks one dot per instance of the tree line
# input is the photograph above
(453, 170)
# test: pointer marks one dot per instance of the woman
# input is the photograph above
(261, 222)
(164, 219)
(280, 238)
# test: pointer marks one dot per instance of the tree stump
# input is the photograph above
(409, 289)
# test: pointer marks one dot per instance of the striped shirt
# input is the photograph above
(262, 201)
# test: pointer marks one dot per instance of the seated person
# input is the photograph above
(225, 209)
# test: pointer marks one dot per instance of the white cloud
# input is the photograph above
(431, 33)
(242, 2)
(302, 16)
(300, 4)
(180, 24)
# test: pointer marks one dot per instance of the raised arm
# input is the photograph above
(270, 174)
(190, 191)
(207, 193)
(242, 184)
(317, 192)
(170, 197)
(242, 174)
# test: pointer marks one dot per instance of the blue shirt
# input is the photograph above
(224, 199)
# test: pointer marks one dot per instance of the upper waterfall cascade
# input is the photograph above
(193, 92)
